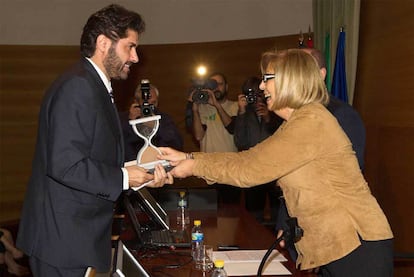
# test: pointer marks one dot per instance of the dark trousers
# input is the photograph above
(255, 200)
(227, 194)
(41, 269)
(370, 259)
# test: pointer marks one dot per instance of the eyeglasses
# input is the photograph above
(267, 77)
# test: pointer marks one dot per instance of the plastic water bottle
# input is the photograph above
(197, 238)
(219, 269)
(183, 217)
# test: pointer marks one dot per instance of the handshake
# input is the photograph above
(170, 164)
(180, 163)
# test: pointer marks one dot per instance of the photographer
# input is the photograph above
(145, 103)
(253, 124)
(209, 121)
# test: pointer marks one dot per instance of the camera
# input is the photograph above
(251, 96)
(147, 109)
(200, 96)
(251, 90)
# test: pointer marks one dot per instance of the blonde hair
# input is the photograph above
(297, 79)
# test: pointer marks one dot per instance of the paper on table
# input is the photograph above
(250, 268)
(247, 256)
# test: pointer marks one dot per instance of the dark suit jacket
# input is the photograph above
(76, 174)
(351, 123)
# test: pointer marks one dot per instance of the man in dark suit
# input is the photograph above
(78, 168)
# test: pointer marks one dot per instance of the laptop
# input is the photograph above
(163, 236)
(125, 264)
(153, 208)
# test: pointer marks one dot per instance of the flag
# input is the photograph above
(309, 43)
(339, 87)
(301, 40)
(327, 52)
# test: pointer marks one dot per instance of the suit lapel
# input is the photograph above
(109, 108)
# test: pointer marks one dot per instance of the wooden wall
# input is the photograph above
(26, 71)
(384, 96)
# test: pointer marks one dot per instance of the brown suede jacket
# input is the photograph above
(313, 161)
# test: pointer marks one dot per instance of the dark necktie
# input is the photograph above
(112, 97)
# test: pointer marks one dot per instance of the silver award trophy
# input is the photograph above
(146, 128)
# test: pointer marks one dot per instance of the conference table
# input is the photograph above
(228, 225)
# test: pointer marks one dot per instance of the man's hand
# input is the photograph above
(242, 102)
(139, 176)
(134, 111)
(212, 98)
(161, 177)
(262, 111)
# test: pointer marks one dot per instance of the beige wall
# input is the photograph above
(59, 22)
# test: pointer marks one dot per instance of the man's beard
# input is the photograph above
(219, 95)
(114, 66)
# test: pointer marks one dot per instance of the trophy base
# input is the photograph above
(151, 165)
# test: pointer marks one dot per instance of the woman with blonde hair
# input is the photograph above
(345, 231)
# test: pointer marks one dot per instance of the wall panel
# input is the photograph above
(384, 96)
(27, 71)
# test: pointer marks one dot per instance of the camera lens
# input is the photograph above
(251, 98)
(200, 97)
(146, 111)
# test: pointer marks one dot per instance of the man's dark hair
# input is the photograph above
(112, 21)
(218, 74)
(319, 57)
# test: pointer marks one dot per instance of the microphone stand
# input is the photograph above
(293, 232)
(262, 263)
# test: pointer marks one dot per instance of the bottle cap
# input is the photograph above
(197, 222)
(219, 263)
(182, 193)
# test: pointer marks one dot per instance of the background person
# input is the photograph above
(167, 135)
(253, 124)
(10, 255)
(209, 124)
(78, 170)
(345, 231)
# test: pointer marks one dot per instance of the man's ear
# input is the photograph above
(103, 43)
(323, 72)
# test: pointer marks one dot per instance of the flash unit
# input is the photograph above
(201, 70)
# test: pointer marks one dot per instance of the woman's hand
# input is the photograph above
(183, 169)
(182, 162)
(171, 155)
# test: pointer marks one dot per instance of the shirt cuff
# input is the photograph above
(125, 183)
